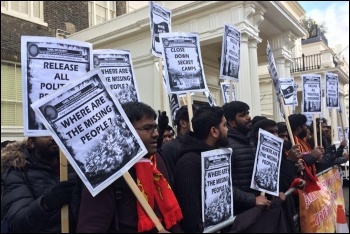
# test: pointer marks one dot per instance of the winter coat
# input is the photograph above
(242, 165)
(114, 208)
(188, 179)
(26, 180)
(171, 152)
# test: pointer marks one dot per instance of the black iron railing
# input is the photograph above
(306, 63)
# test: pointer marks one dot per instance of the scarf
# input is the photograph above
(310, 177)
(155, 188)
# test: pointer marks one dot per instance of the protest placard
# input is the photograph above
(117, 68)
(160, 22)
(312, 98)
(225, 90)
(91, 128)
(287, 88)
(210, 98)
(341, 135)
(48, 64)
(267, 163)
(332, 91)
(230, 53)
(217, 201)
(183, 63)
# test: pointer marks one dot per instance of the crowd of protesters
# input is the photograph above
(32, 194)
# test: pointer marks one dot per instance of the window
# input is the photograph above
(101, 11)
(11, 95)
(32, 11)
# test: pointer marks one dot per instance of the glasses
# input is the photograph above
(149, 128)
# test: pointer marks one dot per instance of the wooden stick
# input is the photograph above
(143, 201)
(64, 177)
(320, 130)
(183, 101)
(189, 108)
(342, 128)
(286, 114)
(315, 129)
(230, 92)
(160, 64)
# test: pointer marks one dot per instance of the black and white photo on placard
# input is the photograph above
(183, 62)
(332, 90)
(225, 90)
(342, 136)
(230, 53)
(312, 98)
(295, 97)
(160, 22)
(287, 90)
(117, 68)
(217, 201)
(48, 64)
(91, 128)
(210, 98)
(267, 163)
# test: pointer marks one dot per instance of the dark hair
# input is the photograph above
(135, 111)
(257, 118)
(231, 109)
(282, 128)
(297, 120)
(205, 118)
(5, 143)
(317, 124)
(182, 114)
(263, 124)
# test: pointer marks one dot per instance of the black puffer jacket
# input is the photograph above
(188, 179)
(22, 201)
(242, 164)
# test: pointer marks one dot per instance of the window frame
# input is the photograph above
(27, 17)
(112, 13)
(17, 100)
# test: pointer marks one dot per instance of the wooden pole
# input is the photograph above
(320, 130)
(160, 74)
(315, 129)
(64, 177)
(143, 201)
(286, 114)
(189, 108)
(183, 100)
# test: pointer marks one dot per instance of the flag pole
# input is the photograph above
(64, 177)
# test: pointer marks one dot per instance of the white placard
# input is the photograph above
(312, 98)
(230, 53)
(117, 68)
(267, 163)
(210, 98)
(48, 64)
(183, 63)
(92, 130)
(287, 90)
(225, 90)
(332, 90)
(160, 22)
(217, 199)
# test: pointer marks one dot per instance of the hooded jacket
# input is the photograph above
(188, 179)
(26, 180)
(242, 165)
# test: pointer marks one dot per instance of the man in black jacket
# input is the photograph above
(243, 156)
(209, 132)
(33, 196)
(171, 150)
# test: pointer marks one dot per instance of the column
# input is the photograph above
(254, 79)
(244, 86)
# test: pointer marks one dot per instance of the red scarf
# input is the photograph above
(310, 177)
(154, 187)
